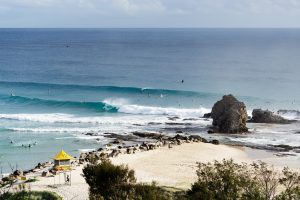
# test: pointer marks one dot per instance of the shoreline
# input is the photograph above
(171, 167)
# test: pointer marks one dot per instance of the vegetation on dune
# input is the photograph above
(223, 180)
(111, 182)
(227, 180)
(24, 195)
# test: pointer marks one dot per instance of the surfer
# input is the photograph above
(182, 81)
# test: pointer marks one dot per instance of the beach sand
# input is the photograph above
(176, 167)
(78, 190)
(173, 167)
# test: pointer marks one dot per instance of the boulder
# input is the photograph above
(114, 153)
(117, 141)
(216, 142)
(207, 115)
(45, 173)
(229, 115)
(130, 150)
(266, 116)
(18, 173)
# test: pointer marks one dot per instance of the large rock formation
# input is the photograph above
(229, 115)
(265, 116)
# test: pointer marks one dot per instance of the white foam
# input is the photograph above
(56, 130)
(291, 115)
(116, 101)
(149, 110)
(85, 150)
(68, 118)
(125, 107)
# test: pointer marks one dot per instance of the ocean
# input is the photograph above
(56, 85)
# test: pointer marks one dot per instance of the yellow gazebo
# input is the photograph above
(62, 161)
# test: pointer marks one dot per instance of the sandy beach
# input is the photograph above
(173, 167)
(176, 167)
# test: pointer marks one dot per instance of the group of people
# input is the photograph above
(25, 145)
(29, 145)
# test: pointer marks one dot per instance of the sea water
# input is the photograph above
(56, 85)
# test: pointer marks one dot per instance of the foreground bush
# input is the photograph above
(224, 180)
(24, 195)
(227, 180)
(150, 192)
(111, 182)
(108, 181)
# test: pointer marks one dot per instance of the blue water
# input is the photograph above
(56, 84)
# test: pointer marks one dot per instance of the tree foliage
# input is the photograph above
(227, 180)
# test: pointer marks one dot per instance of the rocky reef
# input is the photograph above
(113, 149)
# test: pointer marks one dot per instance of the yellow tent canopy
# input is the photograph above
(62, 155)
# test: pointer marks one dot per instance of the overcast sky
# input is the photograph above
(149, 13)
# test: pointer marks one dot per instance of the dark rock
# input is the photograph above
(121, 137)
(6, 179)
(297, 150)
(18, 173)
(283, 147)
(284, 154)
(173, 118)
(229, 115)
(190, 119)
(130, 150)
(180, 137)
(147, 135)
(204, 140)
(210, 131)
(177, 124)
(265, 116)
(197, 138)
(117, 141)
(179, 131)
(207, 115)
(114, 153)
(137, 124)
(45, 173)
(91, 134)
(216, 142)
(154, 123)
(39, 166)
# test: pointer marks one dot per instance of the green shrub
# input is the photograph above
(224, 181)
(227, 180)
(108, 181)
(24, 195)
(111, 182)
(150, 192)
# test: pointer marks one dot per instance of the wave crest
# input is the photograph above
(96, 106)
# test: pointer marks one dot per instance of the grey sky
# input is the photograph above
(149, 13)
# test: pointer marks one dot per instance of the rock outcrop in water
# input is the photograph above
(266, 116)
(229, 115)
